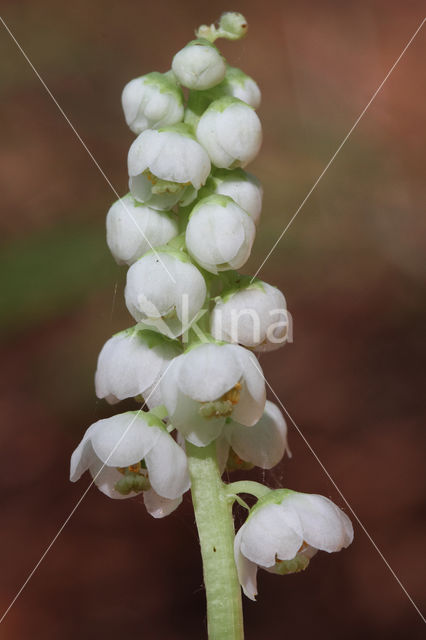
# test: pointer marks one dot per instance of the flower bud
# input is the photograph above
(199, 65)
(241, 86)
(152, 101)
(231, 133)
(166, 167)
(244, 188)
(254, 316)
(165, 291)
(232, 25)
(220, 234)
(133, 229)
(131, 363)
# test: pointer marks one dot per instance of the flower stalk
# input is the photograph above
(213, 515)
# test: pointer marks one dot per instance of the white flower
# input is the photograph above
(113, 450)
(284, 531)
(133, 229)
(165, 291)
(262, 445)
(152, 101)
(209, 383)
(166, 167)
(254, 316)
(220, 234)
(244, 188)
(199, 65)
(241, 86)
(231, 133)
(131, 363)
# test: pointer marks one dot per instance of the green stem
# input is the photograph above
(213, 515)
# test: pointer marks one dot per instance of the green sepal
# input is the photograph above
(181, 127)
(275, 496)
(226, 101)
(165, 83)
(234, 282)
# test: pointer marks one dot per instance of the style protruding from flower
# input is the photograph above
(284, 531)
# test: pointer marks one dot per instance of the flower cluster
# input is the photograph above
(187, 224)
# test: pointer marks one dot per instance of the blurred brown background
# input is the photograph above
(350, 266)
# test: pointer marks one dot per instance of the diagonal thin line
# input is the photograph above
(333, 157)
(48, 548)
(96, 163)
(341, 494)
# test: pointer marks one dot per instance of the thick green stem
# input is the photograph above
(213, 515)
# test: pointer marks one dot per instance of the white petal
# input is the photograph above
(219, 237)
(264, 443)
(169, 155)
(157, 287)
(249, 316)
(158, 506)
(231, 135)
(83, 456)
(128, 365)
(325, 526)
(209, 371)
(134, 229)
(151, 102)
(271, 532)
(124, 439)
(251, 404)
(167, 467)
(244, 188)
(247, 570)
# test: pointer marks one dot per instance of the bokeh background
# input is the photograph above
(351, 267)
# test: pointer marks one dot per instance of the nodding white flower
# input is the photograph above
(244, 188)
(263, 445)
(152, 101)
(209, 383)
(131, 363)
(133, 229)
(231, 133)
(284, 530)
(220, 234)
(166, 167)
(199, 65)
(241, 86)
(132, 452)
(255, 316)
(165, 291)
